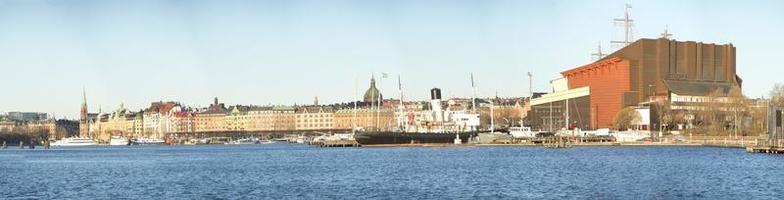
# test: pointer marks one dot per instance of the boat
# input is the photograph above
(521, 132)
(147, 141)
(630, 135)
(74, 141)
(438, 126)
(119, 141)
(250, 140)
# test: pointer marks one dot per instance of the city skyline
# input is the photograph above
(289, 52)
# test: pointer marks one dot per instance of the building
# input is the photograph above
(365, 118)
(372, 94)
(27, 116)
(315, 118)
(644, 72)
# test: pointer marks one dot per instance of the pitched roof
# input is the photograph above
(697, 88)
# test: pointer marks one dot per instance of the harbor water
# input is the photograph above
(290, 171)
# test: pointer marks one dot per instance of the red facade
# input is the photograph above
(608, 81)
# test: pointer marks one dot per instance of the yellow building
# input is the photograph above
(210, 121)
(315, 118)
(365, 118)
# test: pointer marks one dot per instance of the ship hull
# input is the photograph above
(383, 137)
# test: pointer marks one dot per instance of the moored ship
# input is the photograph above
(147, 141)
(74, 141)
(119, 141)
(433, 126)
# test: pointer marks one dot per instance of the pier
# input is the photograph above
(336, 143)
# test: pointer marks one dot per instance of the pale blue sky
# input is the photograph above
(286, 52)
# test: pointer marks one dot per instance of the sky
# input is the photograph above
(289, 52)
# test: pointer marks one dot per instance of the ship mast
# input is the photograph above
(473, 94)
(400, 121)
(354, 118)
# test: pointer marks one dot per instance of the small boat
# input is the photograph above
(147, 141)
(250, 140)
(74, 141)
(119, 141)
(521, 132)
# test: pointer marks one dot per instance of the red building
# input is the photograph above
(645, 71)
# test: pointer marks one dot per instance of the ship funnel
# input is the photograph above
(435, 93)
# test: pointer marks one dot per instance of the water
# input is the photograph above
(301, 172)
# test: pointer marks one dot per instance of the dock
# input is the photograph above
(765, 149)
(336, 143)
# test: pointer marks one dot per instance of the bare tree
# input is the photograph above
(777, 95)
(625, 118)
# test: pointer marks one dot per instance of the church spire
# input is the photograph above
(84, 97)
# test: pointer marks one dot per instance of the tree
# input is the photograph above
(625, 118)
(777, 95)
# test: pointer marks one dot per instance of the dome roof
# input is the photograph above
(372, 94)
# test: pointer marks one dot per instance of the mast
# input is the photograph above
(354, 117)
(627, 24)
(473, 94)
(400, 120)
(378, 105)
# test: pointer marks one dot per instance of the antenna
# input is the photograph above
(599, 55)
(666, 34)
(627, 24)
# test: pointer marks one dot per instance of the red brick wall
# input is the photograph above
(608, 80)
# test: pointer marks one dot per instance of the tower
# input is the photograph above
(84, 124)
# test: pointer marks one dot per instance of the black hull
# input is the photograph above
(382, 138)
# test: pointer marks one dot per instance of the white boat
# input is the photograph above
(147, 141)
(251, 140)
(74, 141)
(118, 141)
(521, 132)
(630, 136)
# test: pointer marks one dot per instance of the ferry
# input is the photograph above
(74, 141)
(119, 141)
(147, 141)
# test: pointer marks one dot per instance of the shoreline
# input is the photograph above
(573, 145)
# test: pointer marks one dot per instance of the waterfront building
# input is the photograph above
(213, 119)
(210, 121)
(27, 116)
(315, 118)
(237, 118)
(365, 118)
(284, 118)
(646, 72)
(120, 122)
(57, 129)
(158, 120)
(261, 118)
(182, 122)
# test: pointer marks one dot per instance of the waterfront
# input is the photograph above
(299, 171)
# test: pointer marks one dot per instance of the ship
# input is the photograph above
(435, 126)
(147, 141)
(119, 141)
(74, 141)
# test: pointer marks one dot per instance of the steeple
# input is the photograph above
(84, 97)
